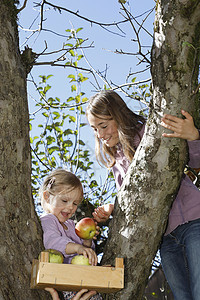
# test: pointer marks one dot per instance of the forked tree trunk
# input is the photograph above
(20, 233)
(153, 178)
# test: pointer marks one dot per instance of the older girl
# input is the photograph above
(118, 132)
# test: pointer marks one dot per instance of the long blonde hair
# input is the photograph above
(108, 104)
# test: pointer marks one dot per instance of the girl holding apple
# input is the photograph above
(118, 132)
(60, 194)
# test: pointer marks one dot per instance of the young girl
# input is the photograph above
(118, 132)
(60, 195)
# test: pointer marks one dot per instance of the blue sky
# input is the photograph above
(105, 42)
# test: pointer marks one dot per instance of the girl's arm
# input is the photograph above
(54, 236)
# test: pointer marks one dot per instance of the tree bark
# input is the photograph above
(153, 178)
(20, 231)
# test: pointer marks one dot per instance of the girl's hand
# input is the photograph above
(84, 292)
(102, 213)
(182, 128)
(88, 252)
(97, 231)
(53, 293)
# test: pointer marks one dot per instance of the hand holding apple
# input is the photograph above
(86, 228)
(87, 252)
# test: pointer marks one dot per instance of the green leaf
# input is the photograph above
(56, 114)
(49, 76)
(72, 52)
(79, 29)
(53, 149)
(72, 77)
(73, 87)
(68, 131)
(81, 143)
(72, 119)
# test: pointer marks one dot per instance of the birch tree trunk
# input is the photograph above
(20, 232)
(153, 178)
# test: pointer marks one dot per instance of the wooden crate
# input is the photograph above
(68, 277)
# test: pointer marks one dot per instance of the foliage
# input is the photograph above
(59, 141)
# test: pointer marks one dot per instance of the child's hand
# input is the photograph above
(182, 128)
(88, 252)
(102, 213)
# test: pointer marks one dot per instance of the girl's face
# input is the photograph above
(64, 204)
(105, 129)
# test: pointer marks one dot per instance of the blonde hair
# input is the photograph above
(108, 104)
(57, 179)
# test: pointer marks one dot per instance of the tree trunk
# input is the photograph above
(153, 178)
(20, 232)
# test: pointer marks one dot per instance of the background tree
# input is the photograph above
(21, 233)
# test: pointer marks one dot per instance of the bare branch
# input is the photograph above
(41, 15)
(23, 6)
(55, 64)
(103, 25)
(129, 18)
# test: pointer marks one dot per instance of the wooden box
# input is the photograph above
(67, 277)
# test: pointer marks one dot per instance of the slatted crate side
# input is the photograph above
(75, 277)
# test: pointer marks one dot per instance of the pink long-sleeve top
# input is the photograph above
(56, 236)
(186, 206)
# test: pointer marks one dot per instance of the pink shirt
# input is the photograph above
(55, 236)
(186, 206)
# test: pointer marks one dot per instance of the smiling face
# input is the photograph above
(105, 129)
(64, 204)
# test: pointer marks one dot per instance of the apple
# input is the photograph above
(86, 228)
(80, 260)
(55, 256)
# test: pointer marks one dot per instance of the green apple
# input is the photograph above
(55, 256)
(86, 228)
(80, 260)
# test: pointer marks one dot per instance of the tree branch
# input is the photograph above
(23, 6)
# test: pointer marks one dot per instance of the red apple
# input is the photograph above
(86, 228)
